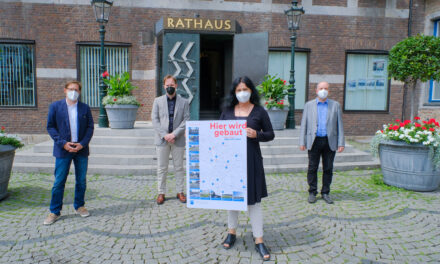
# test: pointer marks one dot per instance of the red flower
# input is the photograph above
(395, 127)
(407, 122)
(142, 104)
(417, 125)
(436, 123)
(105, 74)
(381, 131)
(284, 81)
(424, 128)
(397, 120)
(431, 129)
(402, 124)
(432, 120)
(417, 118)
(424, 122)
(266, 103)
(114, 99)
(3, 128)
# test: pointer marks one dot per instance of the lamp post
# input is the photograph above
(293, 18)
(101, 9)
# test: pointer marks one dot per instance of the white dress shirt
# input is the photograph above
(73, 121)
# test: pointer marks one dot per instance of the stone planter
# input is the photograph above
(7, 154)
(121, 116)
(408, 166)
(278, 117)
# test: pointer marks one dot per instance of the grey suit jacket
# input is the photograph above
(309, 125)
(160, 119)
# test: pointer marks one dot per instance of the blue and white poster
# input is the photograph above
(216, 164)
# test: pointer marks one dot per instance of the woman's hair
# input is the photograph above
(231, 100)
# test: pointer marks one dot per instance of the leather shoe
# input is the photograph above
(160, 199)
(181, 197)
(263, 251)
(312, 198)
(327, 198)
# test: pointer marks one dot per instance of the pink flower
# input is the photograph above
(105, 74)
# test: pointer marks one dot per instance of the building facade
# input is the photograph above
(206, 43)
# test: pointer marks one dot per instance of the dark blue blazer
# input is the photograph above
(58, 127)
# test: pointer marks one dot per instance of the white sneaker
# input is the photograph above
(82, 211)
(51, 218)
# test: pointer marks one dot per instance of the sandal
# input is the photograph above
(230, 240)
(262, 249)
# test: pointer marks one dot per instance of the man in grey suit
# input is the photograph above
(169, 115)
(322, 133)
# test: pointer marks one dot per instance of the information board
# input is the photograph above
(216, 164)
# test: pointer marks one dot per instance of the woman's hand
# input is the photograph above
(251, 133)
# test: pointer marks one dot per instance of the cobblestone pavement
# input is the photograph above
(367, 224)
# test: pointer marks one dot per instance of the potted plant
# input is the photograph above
(274, 91)
(409, 154)
(415, 59)
(8, 145)
(120, 105)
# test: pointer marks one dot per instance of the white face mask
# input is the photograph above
(72, 95)
(322, 94)
(243, 96)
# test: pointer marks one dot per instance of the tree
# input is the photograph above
(415, 59)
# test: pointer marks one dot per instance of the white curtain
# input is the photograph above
(116, 59)
(279, 64)
(366, 85)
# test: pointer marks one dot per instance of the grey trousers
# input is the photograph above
(255, 214)
(163, 156)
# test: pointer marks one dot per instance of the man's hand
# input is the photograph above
(302, 148)
(251, 133)
(170, 138)
(70, 147)
(340, 149)
(78, 147)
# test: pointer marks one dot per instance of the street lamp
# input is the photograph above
(102, 12)
(293, 19)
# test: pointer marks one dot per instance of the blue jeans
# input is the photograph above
(62, 167)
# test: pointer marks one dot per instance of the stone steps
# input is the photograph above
(132, 152)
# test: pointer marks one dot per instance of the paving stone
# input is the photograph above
(366, 223)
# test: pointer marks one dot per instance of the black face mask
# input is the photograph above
(171, 90)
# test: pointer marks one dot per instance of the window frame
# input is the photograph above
(80, 44)
(307, 51)
(34, 68)
(431, 82)
(365, 52)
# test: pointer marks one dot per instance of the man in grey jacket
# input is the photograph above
(169, 115)
(322, 134)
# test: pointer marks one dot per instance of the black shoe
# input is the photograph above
(327, 199)
(262, 249)
(312, 198)
(230, 240)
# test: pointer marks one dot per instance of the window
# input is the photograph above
(434, 87)
(279, 64)
(17, 74)
(117, 61)
(366, 82)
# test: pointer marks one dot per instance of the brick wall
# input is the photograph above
(330, 2)
(56, 29)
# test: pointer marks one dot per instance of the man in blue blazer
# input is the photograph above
(322, 134)
(70, 125)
